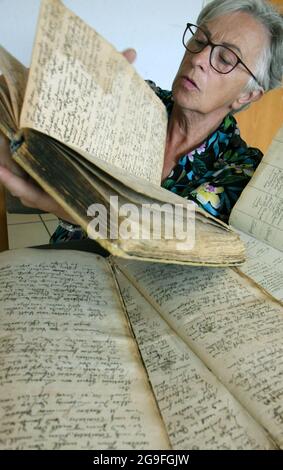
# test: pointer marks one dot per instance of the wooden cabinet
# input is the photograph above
(260, 122)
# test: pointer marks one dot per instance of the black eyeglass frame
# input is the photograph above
(213, 45)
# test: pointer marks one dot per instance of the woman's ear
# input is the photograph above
(247, 98)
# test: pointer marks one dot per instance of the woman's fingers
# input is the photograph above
(6, 158)
(130, 55)
(30, 194)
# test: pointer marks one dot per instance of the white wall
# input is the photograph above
(153, 27)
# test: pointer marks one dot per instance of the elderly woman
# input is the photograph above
(232, 56)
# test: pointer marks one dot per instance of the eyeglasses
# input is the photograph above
(222, 58)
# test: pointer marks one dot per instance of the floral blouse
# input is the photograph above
(213, 175)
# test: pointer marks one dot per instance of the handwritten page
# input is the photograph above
(264, 265)
(84, 93)
(71, 375)
(198, 411)
(259, 211)
(234, 328)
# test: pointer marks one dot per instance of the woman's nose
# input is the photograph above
(201, 59)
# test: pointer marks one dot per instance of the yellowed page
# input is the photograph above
(264, 265)
(259, 211)
(234, 328)
(16, 76)
(198, 411)
(84, 93)
(71, 375)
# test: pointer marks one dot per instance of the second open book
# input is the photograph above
(90, 129)
(122, 354)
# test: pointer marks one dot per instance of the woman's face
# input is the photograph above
(214, 91)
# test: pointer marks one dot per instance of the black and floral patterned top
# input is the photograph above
(213, 175)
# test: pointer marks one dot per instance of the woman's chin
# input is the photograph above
(185, 99)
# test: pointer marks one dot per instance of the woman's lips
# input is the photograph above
(189, 83)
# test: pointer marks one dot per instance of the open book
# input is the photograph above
(89, 130)
(123, 354)
(258, 217)
(259, 210)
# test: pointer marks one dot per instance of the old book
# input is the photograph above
(122, 354)
(88, 129)
(258, 217)
(259, 210)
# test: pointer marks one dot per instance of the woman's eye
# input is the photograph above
(200, 42)
(224, 60)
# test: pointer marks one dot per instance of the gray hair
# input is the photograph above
(269, 69)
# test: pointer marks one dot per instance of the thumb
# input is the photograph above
(130, 55)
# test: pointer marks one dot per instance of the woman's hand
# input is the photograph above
(19, 184)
